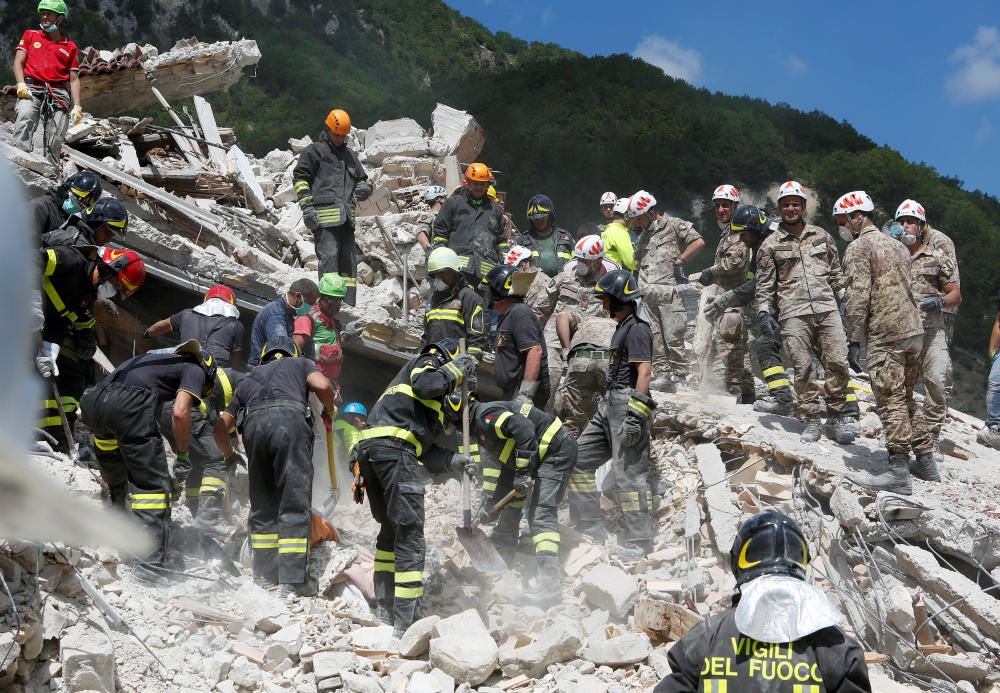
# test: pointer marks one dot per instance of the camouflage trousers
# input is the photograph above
(824, 335)
(669, 329)
(935, 370)
(731, 366)
(894, 369)
(586, 380)
(556, 365)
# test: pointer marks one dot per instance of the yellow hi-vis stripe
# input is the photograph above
(150, 501)
(716, 686)
(263, 541)
(227, 387)
(385, 561)
(390, 432)
(410, 576)
(805, 688)
(546, 542)
(408, 592)
(211, 484)
(445, 314)
(775, 384)
(497, 425)
(404, 389)
(550, 432)
(106, 444)
(293, 544)
(773, 370)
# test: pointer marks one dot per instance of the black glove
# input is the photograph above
(236, 459)
(716, 307)
(358, 483)
(630, 432)
(932, 304)
(310, 218)
(680, 276)
(363, 190)
(768, 325)
(854, 357)
(461, 461)
(638, 411)
(525, 460)
(522, 482)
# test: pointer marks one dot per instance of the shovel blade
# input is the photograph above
(482, 553)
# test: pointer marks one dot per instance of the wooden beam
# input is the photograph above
(208, 126)
(187, 146)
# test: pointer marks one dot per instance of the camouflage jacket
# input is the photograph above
(930, 271)
(798, 275)
(942, 243)
(659, 246)
(567, 293)
(732, 260)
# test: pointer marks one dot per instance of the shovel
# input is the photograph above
(331, 501)
(482, 553)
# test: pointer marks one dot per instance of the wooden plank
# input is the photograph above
(723, 514)
(252, 653)
(187, 147)
(204, 610)
(208, 126)
(669, 621)
(128, 156)
(255, 194)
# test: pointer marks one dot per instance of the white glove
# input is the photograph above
(45, 362)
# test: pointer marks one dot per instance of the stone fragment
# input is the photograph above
(264, 611)
(557, 643)
(88, 660)
(961, 667)
(618, 651)
(608, 587)
(277, 160)
(898, 603)
(455, 133)
(846, 508)
(217, 666)
(283, 196)
(244, 673)
(423, 683)
(289, 637)
(329, 664)
(400, 137)
(299, 145)
(359, 683)
(417, 638)
(373, 638)
(463, 649)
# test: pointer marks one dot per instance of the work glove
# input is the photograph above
(76, 115)
(854, 357)
(309, 218)
(706, 277)
(363, 190)
(45, 362)
(86, 344)
(465, 463)
(522, 482)
(182, 467)
(637, 412)
(932, 304)
(679, 276)
(461, 369)
(682, 289)
(235, 459)
(716, 307)
(22, 91)
(526, 393)
(358, 483)
(630, 432)
(768, 325)
(525, 460)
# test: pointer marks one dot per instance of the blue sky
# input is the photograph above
(921, 77)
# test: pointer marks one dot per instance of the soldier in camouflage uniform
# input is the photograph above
(665, 244)
(943, 244)
(799, 280)
(935, 288)
(879, 308)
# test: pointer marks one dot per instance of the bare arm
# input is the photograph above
(644, 373)
(952, 295)
(74, 86)
(182, 420)
(20, 58)
(321, 385)
(564, 329)
(694, 247)
(221, 433)
(422, 239)
(532, 362)
(160, 327)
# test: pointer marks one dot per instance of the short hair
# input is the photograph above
(306, 287)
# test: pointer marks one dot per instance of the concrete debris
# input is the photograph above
(557, 643)
(611, 588)
(88, 661)
(619, 651)
(417, 638)
(463, 648)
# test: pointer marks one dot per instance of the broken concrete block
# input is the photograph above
(283, 196)
(463, 649)
(423, 683)
(299, 145)
(611, 588)
(400, 137)
(244, 673)
(277, 160)
(306, 250)
(961, 667)
(898, 603)
(951, 532)
(373, 638)
(329, 664)
(417, 638)
(625, 649)
(264, 611)
(846, 508)
(88, 660)
(456, 133)
(359, 683)
(557, 643)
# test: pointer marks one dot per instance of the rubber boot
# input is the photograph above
(894, 478)
(548, 584)
(298, 589)
(780, 402)
(925, 467)
(209, 519)
(839, 429)
(811, 433)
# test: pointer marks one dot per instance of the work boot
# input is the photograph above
(264, 583)
(664, 383)
(839, 429)
(118, 495)
(298, 589)
(894, 478)
(383, 611)
(548, 584)
(812, 432)
(596, 531)
(635, 550)
(209, 519)
(782, 406)
(990, 437)
(925, 467)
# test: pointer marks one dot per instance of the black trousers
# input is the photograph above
(279, 444)
(130, 452)
(335, 251)
(208, 472)
(72, 381)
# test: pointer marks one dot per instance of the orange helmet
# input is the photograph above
(129, 271)
(478, 171)
(339, 122)
(223, 292)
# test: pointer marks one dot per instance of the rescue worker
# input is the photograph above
(353, 419)
(521, 259)
(536, 455)
(277, 318)
(941, 242)
(665, 245)
(521, 366)
(799, 284)
(620, 429)
(608, 201)
(393, 455)
(454, 310)
(318, 333)
(50, 211)
(72, 277)
(990, 435)
(551, 247)
(880, 309)
(472, 224)
(752, 226)
(121, 410)
(270, 407)
(98, 225)
(433, 197)
(934, 278)
(215, 323)
(328, 178)
(728, 271)
(619, 245)
(47, 73)
(782, 634)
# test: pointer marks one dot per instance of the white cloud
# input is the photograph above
(977, 76)
(671, 57)
(796, 65)
(985, 132)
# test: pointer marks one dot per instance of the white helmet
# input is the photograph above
(857, 201)
(911, 208)
(516, 255)
(434, 192)
(608, 198)
(639, 204)
(792, 187)
(442, 259)
(589, 248)
(621, 206)
(726, 192)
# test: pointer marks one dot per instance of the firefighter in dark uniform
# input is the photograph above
(781, 636)
(472, 224)
(620, 427)
(106, 220)
(536, 455)
(271, 409)
(455, 310)
(521, 367)
(327, 179)
(50, 211)
(215, 323)
(551, 247)
(392, 458)
(121, 411)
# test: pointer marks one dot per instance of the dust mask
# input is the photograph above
(907, 239)
(71, 205)
(48, 29)
(582, 269)
(845, 233)
(107, 291)
(439, 286)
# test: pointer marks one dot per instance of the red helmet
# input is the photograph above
(223, 292)
(129, 266)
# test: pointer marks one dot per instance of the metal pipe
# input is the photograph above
(402, 264)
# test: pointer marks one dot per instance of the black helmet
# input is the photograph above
(277, 348)
(540, 206)
(110, 211)
(446, 349)
(197, 352)
(85, 186)
(769, 543)
(452, 405)
(618, 284)
(499, 281)
(752, 219)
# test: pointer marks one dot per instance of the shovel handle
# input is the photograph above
(466, 482)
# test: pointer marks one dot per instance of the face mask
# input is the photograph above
(907, 239)
(107, 290)
(48, 29)
(71, 205)
(439, 286)
(303, 309)
(845, 233)
(582, 269)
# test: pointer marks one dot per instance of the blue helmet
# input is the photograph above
(355, 408)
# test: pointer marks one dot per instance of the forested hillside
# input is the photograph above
(557, 122)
